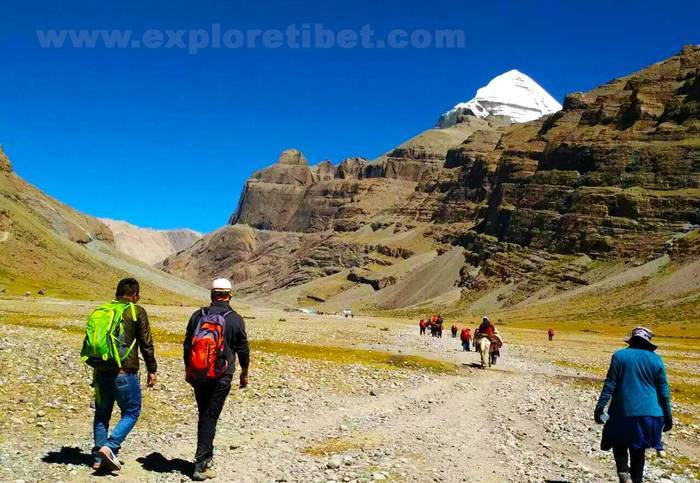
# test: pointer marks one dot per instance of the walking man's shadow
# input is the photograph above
(158, 463)
(71, 456)
(68, 456)
(155, 462)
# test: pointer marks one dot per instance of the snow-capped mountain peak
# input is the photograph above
(511, 94)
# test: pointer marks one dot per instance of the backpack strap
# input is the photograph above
(202, 314)
(119, 359)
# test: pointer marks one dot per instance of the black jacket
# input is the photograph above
(235, 338)
(140, 330)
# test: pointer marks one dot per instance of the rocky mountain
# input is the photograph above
(512, 95)
(500, 213)
(148, 245)
(49, 247)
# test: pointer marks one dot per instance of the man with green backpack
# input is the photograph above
(114, 331)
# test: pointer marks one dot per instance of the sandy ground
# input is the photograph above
(315, 413)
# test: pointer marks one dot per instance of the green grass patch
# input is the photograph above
(338, 445)
(342, 355)
(339, 355)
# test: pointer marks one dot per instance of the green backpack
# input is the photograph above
(104, 346)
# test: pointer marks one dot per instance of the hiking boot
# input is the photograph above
(204, 471)
(625, 477)
(109, 459)
(201, 475)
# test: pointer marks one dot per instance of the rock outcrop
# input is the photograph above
(615, 172)
(377, 283)
(261, 261)
(292, 196)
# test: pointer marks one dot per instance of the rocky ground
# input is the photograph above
(311, 414)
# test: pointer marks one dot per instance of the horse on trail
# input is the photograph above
(484, 345)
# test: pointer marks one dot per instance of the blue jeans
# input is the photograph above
(125, 390)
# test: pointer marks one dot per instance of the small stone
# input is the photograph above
(335, 462)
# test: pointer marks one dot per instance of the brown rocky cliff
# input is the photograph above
(616, 164)
(615, 174)
(291, 196)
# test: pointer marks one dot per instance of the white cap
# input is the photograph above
(221, 284)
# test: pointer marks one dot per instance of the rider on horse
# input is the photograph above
(488, 330)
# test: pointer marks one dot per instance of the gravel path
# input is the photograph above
(316, 420)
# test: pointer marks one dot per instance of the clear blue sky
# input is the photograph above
(166, 139)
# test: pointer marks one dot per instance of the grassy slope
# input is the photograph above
(36, 257)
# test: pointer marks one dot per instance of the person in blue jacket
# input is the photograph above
(640, 405)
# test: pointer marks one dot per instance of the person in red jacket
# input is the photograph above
(466, 337)
(487, 327)
(550, 333)
(422, 325)
(454, 331)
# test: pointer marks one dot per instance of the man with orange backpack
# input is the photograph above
(215, 336)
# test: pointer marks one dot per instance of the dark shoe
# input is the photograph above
(624, 477)
(204, 470)
(109, 459)
(201, 474)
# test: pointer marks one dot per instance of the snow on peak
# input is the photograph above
(511, 94)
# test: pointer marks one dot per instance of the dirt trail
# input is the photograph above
(421, 434)
(315, 419)
(473, 426)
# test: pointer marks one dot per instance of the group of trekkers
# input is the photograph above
(435, 324)
(214, 337)
(635, 390)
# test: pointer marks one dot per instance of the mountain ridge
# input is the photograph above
(48, 247)
(149, 245)
(609, 179)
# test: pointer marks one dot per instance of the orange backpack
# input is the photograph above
(207, 358)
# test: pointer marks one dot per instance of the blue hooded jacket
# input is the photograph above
(637, 384)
